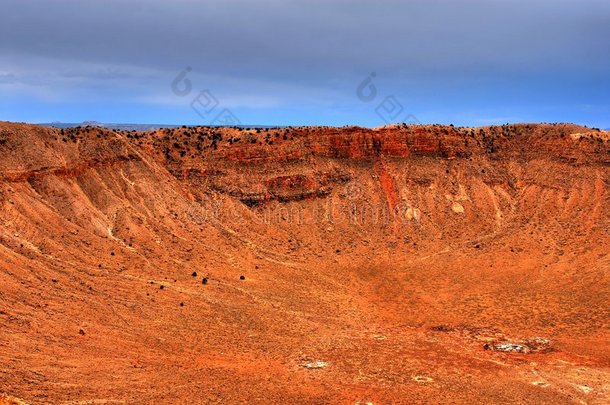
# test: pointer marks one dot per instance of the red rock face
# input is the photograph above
(305, 265)
(435, 141)
(387, 186)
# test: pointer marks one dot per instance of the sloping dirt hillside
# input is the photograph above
(403, 264)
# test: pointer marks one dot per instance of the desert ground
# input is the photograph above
(405, 264)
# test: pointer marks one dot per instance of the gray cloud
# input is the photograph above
(7, 78)
(299, 39)
(417, 47)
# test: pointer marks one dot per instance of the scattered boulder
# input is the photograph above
(506, 347)
(531, 345)
(315, 364)
(422, 379)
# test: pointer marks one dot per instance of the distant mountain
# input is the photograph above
(122, 127)
(134, 127)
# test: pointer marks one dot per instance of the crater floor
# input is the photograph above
(403, 264)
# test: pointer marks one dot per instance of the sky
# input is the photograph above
(305, 62)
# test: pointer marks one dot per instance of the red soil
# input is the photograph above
(391, 265)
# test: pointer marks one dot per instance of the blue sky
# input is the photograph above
(295, 62)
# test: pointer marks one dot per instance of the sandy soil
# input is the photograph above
(305, 265)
